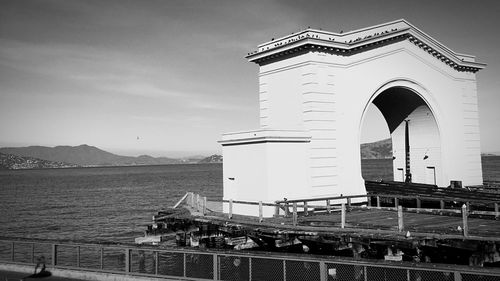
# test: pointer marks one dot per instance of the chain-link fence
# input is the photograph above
(213, 265)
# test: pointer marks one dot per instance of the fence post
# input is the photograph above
(464, 219)
(342, 216)
(441, 204)
(284, 269)
(378, 201)
(306, 209)
(54, 255)
(419, 204)
(369, 201)
(276, 210)
(127, 260)
(157, 259)
(216, 267)
(349, 204)
(323, 274)
(294, 215)
(230, 208)
(184, 262)
(260, 211)
(249, 269)
(328, 206)
(396, 202)
(287, 210)
(400, 219)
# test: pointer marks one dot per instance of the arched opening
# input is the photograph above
(413, 138)
(376, 147)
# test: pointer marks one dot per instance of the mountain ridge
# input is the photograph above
(381, 149)
(85, 155)
(14, 162)
(90, 156)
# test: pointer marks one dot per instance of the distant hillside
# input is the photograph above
(377, 150)
(14, 162)
(85, 155)
(212, 159)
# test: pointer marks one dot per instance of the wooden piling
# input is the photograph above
(306, 209)
(328, 206)
(260, 212)
(294, 214)
(342, 216)
(400, 219)
(419, 204)
(378, 201)
(396, 202)
(464, 220)
(230, 208)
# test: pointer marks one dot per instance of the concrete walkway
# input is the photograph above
(16, 276)
(15, 272)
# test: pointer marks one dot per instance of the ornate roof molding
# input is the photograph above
(353, 42)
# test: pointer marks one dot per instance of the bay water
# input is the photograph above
(115, 204)
(109, 204)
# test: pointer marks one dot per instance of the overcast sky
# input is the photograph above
(168, 77)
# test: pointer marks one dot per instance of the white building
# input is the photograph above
(315, 87)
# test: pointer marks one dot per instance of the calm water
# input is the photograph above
(116, 203)
(96, 204)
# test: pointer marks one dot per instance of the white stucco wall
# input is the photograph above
(264, 166)
(325, 95)
(424, 141)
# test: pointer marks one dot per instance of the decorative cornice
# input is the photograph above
(350, 43)
(265, 136)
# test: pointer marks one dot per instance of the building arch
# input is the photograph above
(405, 99)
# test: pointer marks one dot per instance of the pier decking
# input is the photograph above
(439, 225)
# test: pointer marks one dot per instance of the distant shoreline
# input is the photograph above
(106, 166)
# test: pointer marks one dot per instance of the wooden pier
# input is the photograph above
(438, 225)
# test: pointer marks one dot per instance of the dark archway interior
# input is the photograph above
(396, 104)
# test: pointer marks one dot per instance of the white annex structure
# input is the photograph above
(315, 88)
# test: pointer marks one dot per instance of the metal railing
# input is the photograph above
(186, 264)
